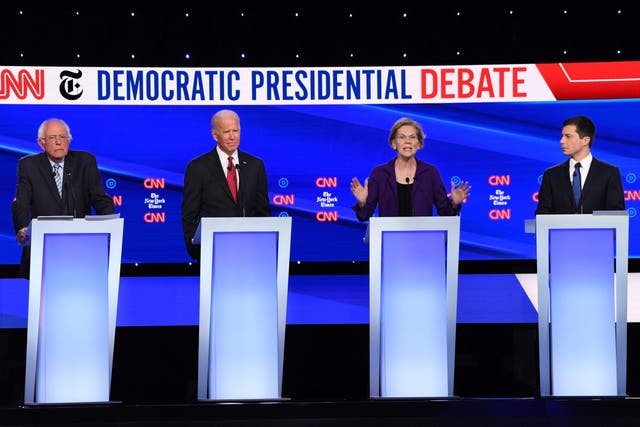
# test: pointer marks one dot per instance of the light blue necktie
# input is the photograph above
(57, 171)
(577, 181)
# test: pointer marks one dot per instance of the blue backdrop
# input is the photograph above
(311, 153)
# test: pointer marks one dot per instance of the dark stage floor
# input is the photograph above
(325, 382)
(452, 412)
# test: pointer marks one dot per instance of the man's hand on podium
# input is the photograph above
(21, 235)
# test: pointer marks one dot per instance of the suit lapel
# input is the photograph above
(47, 175)
(567, 184)
(68, 169)
(218, 171)
(593, 172)
(242, 171)
(392, 187)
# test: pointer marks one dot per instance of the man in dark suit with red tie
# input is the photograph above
(57, 181)
(224, 182)
(582, 184)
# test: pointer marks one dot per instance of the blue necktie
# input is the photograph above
(57, 170)
(577, 181)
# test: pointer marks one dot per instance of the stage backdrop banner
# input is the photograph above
(495, 126)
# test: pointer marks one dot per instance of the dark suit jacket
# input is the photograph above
(206, 193)
(427, 191)
(602, 190)
(37, 194)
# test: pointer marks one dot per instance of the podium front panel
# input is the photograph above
(582, 304)
(243, 291)
(413, 297)
(412, 314)
(74, 343)
(73, 291)
(244, 327)
(582, 301)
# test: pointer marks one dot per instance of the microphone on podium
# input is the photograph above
(72, 199)
(408, 181)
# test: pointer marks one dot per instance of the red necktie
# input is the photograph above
(232, 180)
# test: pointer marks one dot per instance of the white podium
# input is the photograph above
(73, 296)
(244, 275)
(413, 270)
(582, 303)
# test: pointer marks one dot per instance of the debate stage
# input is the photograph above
(326, 362)
(325, 382)
(463, 412)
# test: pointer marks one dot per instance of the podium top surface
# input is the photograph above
(241, 224)
(577, 220)
(65, 219)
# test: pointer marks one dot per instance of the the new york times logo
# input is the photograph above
(69, 85)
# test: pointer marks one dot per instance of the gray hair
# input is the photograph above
(223, 113)
(44, 124)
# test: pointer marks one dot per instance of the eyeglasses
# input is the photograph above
(410, 138)
(56, 138)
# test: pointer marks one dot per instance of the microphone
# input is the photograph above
(67, 184)
(408, 181)
(240, 205)
(240, 201)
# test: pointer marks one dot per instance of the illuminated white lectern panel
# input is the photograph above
(413, 270)
(582, 303)
(73, 296)
(244, 274)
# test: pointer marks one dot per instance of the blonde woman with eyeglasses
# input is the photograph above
(406, 185)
